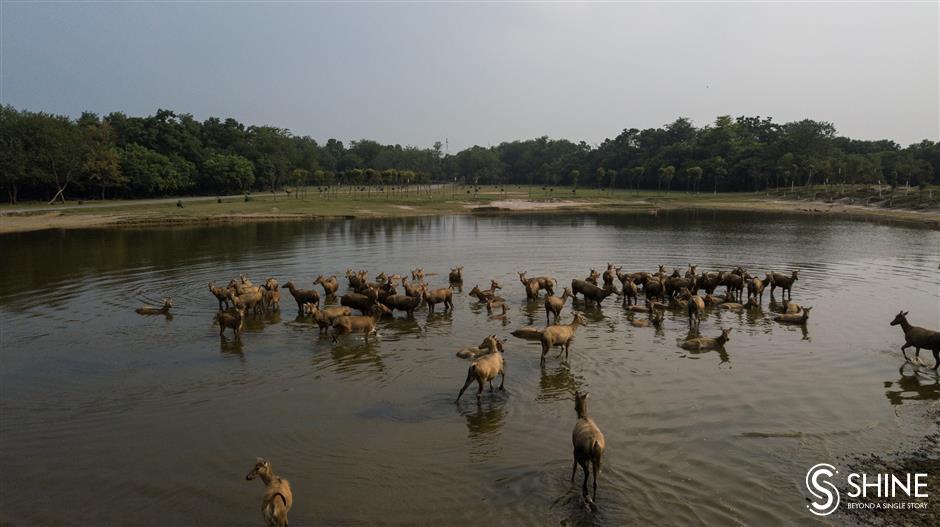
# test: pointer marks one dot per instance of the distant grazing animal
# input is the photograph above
(588, 442)
(277, 499)
(918, 338)
(707, 343)
(560, 335)
(303, 296)
(165, 310)
(485, 369)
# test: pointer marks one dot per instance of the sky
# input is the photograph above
(480, 73)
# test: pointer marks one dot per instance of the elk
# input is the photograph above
(271, 296)
(554, 304)
(628, 291)
(330, 285)
(456, 275)
(918, 337)
(591, 292)
(544, 282)
(359, 301)
(417, 274)
(794, 318)
(559, 335)
(365, 323)
(592, 277)
(436, 296)
(707, 343)
(696, 307)
(490, 344)
(610, 274)
(277, 499)
(356, 280)
(588, 442)
(405, 303)
(784, 282)
(235, 320)
(303, 296)
(221, 294)
(484, 370)
(148, 310)
(527, 333)
(412, 289)
(324, 317)
(755, 288)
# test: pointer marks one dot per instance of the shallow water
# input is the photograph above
(113, 418)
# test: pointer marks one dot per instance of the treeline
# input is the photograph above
(45, 156)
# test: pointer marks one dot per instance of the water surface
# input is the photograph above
(113, 418)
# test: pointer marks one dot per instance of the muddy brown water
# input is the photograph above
(110, 418)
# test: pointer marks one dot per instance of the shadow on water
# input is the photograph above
(231, 346)
(485, 418)
(557, 383)
(351, 356)
(914, 385)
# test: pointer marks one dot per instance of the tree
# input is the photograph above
(103, 160)
(668, 173)
(13, 156)
(575, 176)
(229, 173)
(637, 175)
(695, 176)
(152, 173)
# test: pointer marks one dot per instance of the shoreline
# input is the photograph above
(148, 215)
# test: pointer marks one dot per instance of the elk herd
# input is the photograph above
(687, 293)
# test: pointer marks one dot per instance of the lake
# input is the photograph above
(109, 417)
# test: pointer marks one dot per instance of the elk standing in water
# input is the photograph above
(918, 337)
(277, 499)
(484, 370)
(588, 442)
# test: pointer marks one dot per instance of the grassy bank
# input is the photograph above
(461, 200)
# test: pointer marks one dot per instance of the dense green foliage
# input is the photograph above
(45, 156)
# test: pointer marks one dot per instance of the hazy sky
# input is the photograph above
(481, 73)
